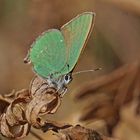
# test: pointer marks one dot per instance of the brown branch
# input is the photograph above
(80, 133)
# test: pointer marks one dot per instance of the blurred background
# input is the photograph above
(113, 44)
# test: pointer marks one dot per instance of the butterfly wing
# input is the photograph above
(75, 34)
(47, 53)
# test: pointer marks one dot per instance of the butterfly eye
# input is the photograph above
(67, 79)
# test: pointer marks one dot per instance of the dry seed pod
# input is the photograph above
(45, 100)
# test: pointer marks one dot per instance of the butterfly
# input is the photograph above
(54, 54)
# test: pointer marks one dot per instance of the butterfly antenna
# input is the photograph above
(84, 71)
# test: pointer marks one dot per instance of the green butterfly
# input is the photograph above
(55, 53)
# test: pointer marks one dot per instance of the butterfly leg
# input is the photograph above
(63, 92)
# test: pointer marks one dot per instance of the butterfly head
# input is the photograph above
(60, 83)
(67, 78)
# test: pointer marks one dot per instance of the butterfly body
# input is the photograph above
(55, 53)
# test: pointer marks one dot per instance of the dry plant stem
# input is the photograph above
(80, 133)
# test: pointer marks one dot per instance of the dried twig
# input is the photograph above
(80, 133)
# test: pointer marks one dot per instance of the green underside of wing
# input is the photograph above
(48, 53)
(75, 35)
